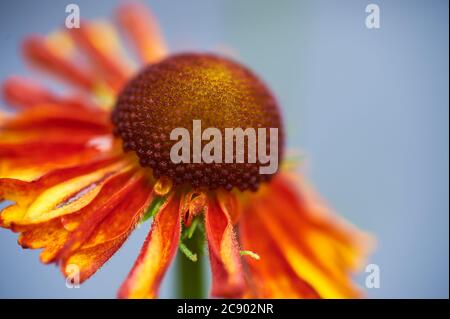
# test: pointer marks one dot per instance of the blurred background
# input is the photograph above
(368, 108)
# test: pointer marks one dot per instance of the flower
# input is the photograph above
(80, 182)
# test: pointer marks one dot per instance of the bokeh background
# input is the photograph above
(368, 109)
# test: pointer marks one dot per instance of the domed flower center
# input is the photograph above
(212, 100)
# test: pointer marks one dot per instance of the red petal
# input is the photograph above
(25, 194)
(110, 234)
(87, 219)
(310, 244)
(156, 254)
(272, 276)
(227, 274)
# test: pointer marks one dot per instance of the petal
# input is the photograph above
(56, 194)
(192, 204)
(50, 235)
(100, 43)
(226, 267)
(230, 204)
(38, 51)
(70, 196)
(36, 166)
(142, 28)
(111, 233)
(271, 275)
(156, 254)
(310, 245)
(23, 93)
(352, 245)
(84, 223)
(51, 137)
(60, 115)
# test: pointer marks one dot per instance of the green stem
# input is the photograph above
(190, 274)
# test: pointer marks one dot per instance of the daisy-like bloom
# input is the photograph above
(84, 169)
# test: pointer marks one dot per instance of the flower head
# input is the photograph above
(83, 170)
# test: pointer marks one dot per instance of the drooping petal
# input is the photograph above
(192, 204)
(70, 196)
(230, 204)
(142, 28)
(83, 223)
(55, 195)
(271, 276)
(351, 244)
(156, 254)
(111, 233)
(315, 247)
(226, 267)
(50, 235)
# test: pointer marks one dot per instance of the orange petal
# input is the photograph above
(42, 55)
(352, 245)
(63, 123)
(23, 93)
(156, 254)
(227, 273)
(56, 115)
(51, 137)
(55, 195)
(271, 275)
(84, 222)
(33, 167)
(70, 196)
(50, 235)
(111, 233)
(192, 204)
(100, 42)
(142, 28)
(230, 204)
(317, 250)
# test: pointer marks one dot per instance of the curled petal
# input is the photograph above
(110, 234)
(70, 196)
(83, 223)
(226, 267)
(56, 194)
(230, 204)
(50, 235)
(156, 254)
(192, 204)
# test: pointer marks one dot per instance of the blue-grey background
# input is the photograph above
(369, 108)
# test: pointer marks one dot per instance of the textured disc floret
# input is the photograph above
(186, 87)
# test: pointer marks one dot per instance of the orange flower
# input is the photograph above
(78, 195)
